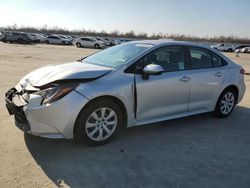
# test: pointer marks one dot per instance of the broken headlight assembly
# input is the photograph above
(55, 92)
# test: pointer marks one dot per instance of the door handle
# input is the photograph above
(218, 74)
(185, 79)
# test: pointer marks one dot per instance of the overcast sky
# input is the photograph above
(192, 17)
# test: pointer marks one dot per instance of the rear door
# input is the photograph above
(207, 75)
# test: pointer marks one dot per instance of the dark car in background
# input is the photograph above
(17, 37)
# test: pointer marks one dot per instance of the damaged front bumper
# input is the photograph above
(55, 120)
(16, 109)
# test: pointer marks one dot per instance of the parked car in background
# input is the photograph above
(224, 47)
(107, 43)
(89, 42)
(17, 37)
(120, 41)
(41, 38)
(1, 36)
(36, 38)
(245, 50)
(33, 37)
(131, 84)
(53, 39)
(67, 38)
(240, 47)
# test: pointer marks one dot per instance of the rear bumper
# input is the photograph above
(242, 89)
(55, 120)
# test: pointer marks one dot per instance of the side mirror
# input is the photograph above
(153, 69)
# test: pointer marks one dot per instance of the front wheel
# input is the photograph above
(98, 122)
(78, 45)
(225, 103)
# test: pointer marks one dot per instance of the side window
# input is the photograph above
(217, 61)
(200, 58)
(171, 58)
(86, 39)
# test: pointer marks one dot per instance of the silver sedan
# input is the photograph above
(131, 84)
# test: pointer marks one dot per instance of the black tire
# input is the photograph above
(97, 46)
(80, 133)
(230, 50)
(47, 42)
(218, 112)
(78, 45)
(63, 43)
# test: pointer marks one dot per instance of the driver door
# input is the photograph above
(167, 94)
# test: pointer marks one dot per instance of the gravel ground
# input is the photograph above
(198, 151)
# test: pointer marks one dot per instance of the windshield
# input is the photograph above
(118, 55)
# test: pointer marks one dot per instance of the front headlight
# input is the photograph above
(55, 92)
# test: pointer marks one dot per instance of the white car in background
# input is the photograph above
(53, 39)
(37, 38)
(106, 42)
(245, 50)
(88, 42)
(67, 38)
(110, 42)
(224, 47)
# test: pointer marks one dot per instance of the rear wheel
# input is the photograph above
(98, 122)
(230, 50)
(225, 103)
(47, 42)
(97, 46)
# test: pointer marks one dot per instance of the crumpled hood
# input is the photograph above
(68, 71)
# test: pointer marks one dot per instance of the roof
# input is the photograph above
(167, 42)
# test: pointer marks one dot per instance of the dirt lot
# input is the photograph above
(199, 151)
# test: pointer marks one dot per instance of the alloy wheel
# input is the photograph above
(227, 103)
(101, 124)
